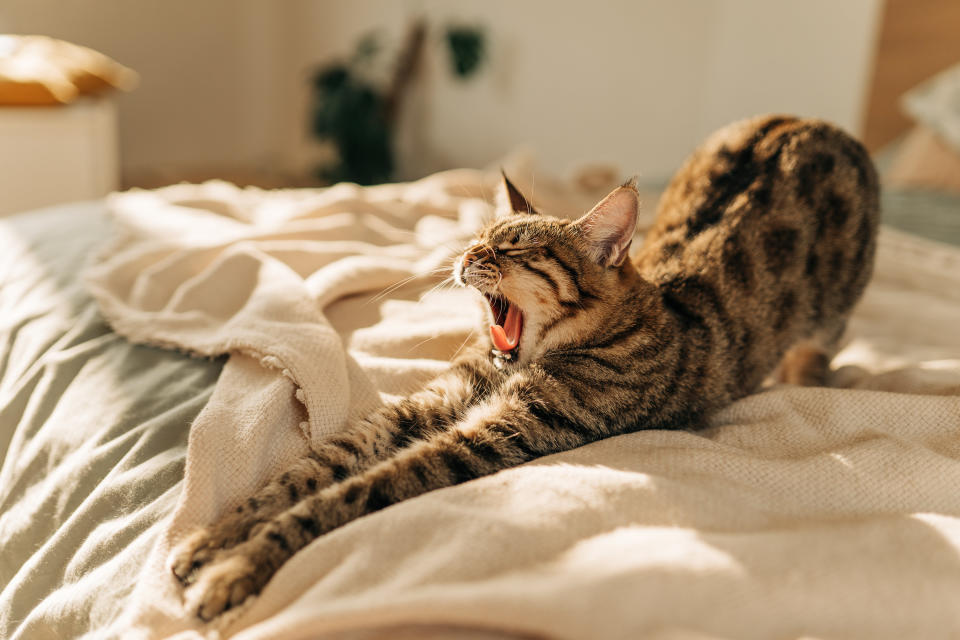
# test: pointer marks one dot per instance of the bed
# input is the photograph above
(816, 512)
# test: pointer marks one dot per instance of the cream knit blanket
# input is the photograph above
(819, 512)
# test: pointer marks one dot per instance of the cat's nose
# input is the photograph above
(476, 254)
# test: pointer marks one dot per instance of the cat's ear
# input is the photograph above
(511, 201)
(609, 227)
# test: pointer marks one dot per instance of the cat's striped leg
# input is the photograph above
(494, 435)
(321, 467)
(807, 363)
(375, 438)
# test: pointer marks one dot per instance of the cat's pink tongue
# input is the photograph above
(507, 337)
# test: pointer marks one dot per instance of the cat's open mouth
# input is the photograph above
(507, 324)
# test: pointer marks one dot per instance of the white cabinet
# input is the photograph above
(55, 154)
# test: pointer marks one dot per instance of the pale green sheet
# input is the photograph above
(929, 214)
(93, 432)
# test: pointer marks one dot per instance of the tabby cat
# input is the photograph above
(763, 243)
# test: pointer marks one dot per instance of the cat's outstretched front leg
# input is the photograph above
(500, 433)
(373, 439)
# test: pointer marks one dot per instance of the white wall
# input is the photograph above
(206, 95)
(812, 57)
(224, 82)
(615, 81)
(637, 84)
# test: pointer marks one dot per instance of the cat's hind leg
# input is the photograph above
(807, 362)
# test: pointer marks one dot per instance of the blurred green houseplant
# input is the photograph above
(358, 118)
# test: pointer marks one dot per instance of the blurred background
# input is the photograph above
(236, 88)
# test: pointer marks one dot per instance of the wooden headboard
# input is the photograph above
(917, 38)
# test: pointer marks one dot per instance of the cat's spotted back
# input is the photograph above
(763, 244)
(766, 235)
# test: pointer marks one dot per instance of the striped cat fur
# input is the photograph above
(763, 243)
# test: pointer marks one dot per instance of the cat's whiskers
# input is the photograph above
(449, 283)
(470, 334)
(437, 287)
(405, 281)
(455, 353)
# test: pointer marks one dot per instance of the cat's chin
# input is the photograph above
(507, 327)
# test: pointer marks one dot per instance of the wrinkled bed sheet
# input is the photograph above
(93, 432)
(819, 512)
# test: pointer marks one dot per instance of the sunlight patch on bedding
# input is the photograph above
(671, 550)
(947, 526)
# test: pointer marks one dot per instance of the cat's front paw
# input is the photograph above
(191, 555)
(203, 545)
(223, 585)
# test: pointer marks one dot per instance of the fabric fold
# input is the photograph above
(324, 300)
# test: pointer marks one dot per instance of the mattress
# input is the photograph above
(93, 432)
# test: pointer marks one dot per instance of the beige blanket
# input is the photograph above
(819, 512)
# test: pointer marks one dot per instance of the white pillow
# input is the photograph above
(936, 104)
